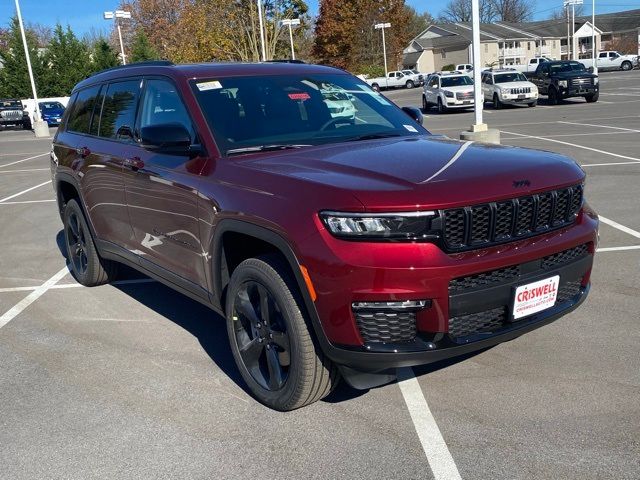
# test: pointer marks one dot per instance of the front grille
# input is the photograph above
(492, 223)
(11, 114)
(520, 90)
(386, 327)
(464, 95)
(494, 320)
(580, 81)
(503, 275)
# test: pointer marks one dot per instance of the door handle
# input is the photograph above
(84, 152)
(134, 163)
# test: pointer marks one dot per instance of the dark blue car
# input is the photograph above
(51, 112)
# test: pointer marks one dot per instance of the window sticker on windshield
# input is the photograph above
(212, 85)
(300, 96)
(411, 128)
(379, 98)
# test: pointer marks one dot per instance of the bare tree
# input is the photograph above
(561, 13)
(460, 11)
(513, 10)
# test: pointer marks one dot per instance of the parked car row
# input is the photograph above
(13, 113)
(396, 79)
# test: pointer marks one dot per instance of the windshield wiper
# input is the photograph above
(372, 136)
(263, 148)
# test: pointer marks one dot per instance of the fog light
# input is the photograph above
(406, 305)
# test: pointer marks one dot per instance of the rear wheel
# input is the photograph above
(626, 65)
(376, 87)
(592, 98)
(497, 104)
(270, 339)
(85, 263)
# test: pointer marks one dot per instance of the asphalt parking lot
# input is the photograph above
(132, 380)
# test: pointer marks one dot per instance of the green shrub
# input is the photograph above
(449, 68)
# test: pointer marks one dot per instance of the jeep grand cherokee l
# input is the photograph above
(334, 246)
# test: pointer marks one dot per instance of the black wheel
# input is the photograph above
(270, 339)
(85, 264)
(553, 96)
(533, 104)
(410, 84)
(376, 87)
(425, 104)
(592, 98)
(497, 104)
(441, 107)
(626, 65)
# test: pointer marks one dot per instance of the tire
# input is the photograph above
(376, 87)
(626, 65)
(497, 104)
(276, 353)
(86, 265)
(532, 104)
(441, 107)
(410, 84)
(425, 104)
(553, 96)
(592, 98)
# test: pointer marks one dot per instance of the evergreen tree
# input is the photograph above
(14, 77)
(103, 56)
(141, 49)
(67, 60)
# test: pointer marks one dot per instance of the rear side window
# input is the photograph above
(95, 124)
(119, 110)
(82, 110)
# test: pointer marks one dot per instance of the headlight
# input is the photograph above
(562, 83)
(380, 226)
(447, 93)
(595, 80)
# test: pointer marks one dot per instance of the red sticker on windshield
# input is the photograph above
(299, 96)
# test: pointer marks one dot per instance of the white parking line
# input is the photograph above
(571, 145)
(600, 126)
(620, 227)
(24, 191)
(14, 154)
(574, 135)
(32, 297)
(27, 201)
(25, 171)
(438, 455)
(618, 249)
(607, 164)
(23, 160)
(76, 285)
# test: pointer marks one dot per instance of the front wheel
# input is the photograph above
(410, 84)
(86, 265)
(533, 104)
(497, 104)
(441, 106)
(626, 66)
(376, 87)
(425, 104)
(270, 339)
(592, 98)
(553, 96)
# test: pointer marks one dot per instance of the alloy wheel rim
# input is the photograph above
(261, 335)
(76, 244)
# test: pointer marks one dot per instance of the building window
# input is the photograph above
(554, 44)
(444, 54)
(528, 45)
(486, 48)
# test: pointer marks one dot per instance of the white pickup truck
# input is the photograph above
(395, 79)
(531, 65)
(610, 60)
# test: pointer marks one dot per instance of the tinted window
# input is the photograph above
(95, 124)
(162, 104)
(80, 119)
(119, 110)
(510, 77)
(456, 81)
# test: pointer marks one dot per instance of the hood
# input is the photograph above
(53, 112)
(459, 88)
(522, 84)
(422, 172)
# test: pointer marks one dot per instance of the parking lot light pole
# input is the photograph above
(40, 128)
(115, 16)
(593, 37)
(479, 131)
(290, 23)
(382, 26)
(261, 23)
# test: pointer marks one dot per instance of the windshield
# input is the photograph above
(294, 111)
(567, 67)
(456, 81)
(509, 77)
(51, 106)
(11, 104)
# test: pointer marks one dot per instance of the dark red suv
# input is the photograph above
(335, 234)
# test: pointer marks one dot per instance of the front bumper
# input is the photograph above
(578, 91)
(455, 103)
(518, 99)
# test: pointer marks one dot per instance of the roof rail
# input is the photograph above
(148, 63)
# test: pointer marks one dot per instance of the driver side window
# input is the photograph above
(162, 105)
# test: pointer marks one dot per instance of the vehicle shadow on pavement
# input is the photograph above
(201, 322)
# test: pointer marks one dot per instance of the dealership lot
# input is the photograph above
(134, 380)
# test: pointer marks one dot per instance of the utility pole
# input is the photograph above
(593, 37)
(261, 21)
(382, 26)
(40, 128)
(115, 16)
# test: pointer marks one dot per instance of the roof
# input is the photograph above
(411, 58)
(206, 70)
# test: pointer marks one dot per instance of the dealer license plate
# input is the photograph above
(467, 102)
(535, 297)
(521, 96)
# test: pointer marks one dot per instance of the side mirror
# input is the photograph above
(170, 138)
(414, 113)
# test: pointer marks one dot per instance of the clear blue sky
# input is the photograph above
(82, 15)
